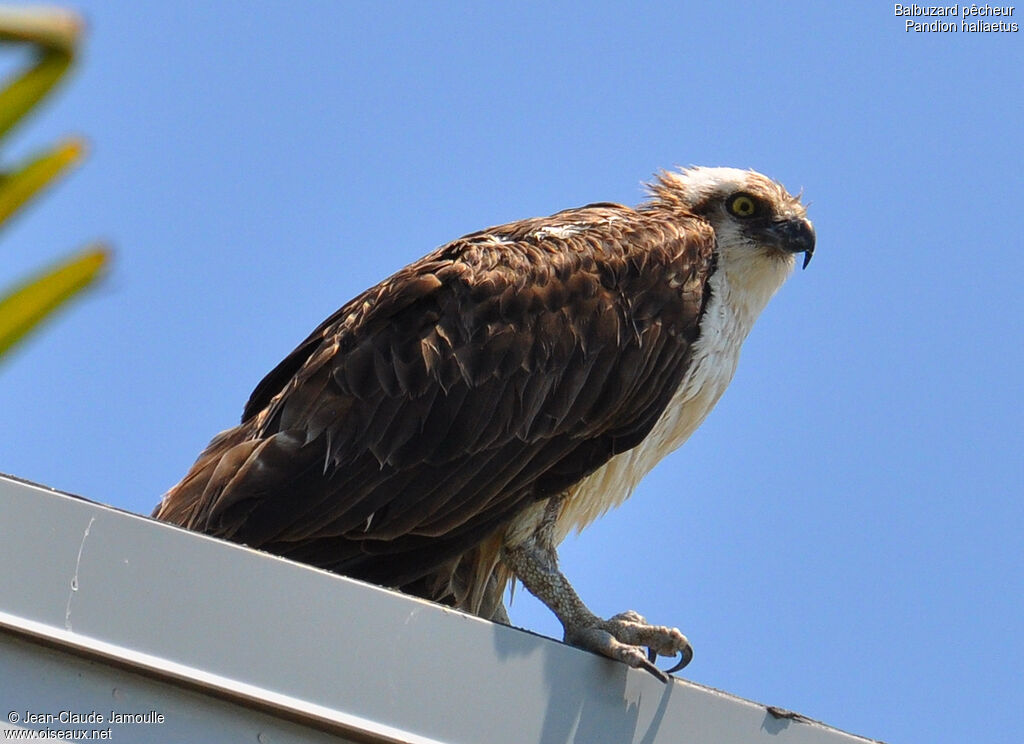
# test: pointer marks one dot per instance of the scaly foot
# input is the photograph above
(623, 636)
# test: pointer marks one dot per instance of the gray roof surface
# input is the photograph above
(105, 611)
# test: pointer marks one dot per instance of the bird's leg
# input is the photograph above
(534, 561)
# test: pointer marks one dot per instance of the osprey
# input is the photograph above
(446, 429)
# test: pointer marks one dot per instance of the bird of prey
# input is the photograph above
(442, 432)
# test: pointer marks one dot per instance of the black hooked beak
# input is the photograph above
(795, 235)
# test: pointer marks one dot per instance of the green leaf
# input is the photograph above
(24, 92)
(24, 306)
(54, 33)
(19, 186)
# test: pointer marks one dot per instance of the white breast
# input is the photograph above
(726, 324)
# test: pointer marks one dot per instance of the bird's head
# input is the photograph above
(759, 226)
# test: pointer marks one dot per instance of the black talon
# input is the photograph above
(685, 657)
(662, 676)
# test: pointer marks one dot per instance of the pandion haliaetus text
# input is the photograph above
(445, 430)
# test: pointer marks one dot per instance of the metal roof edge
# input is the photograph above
(327, 651)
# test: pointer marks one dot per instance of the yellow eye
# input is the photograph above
(742, 205)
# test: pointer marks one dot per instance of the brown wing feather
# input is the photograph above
(428, 411)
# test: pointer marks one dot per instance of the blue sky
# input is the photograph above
(843, 537)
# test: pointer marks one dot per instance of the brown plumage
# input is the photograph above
(403, 437)
(405, 429)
